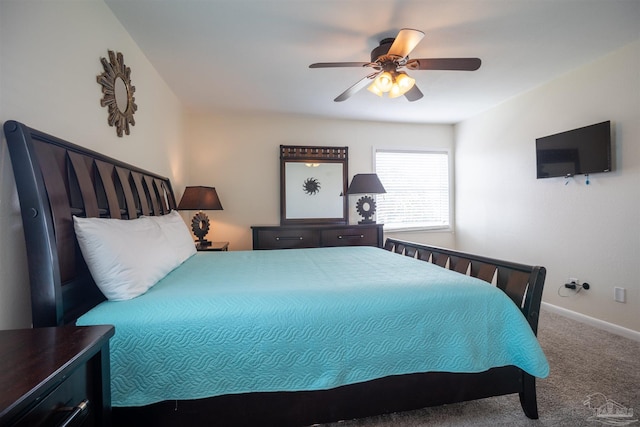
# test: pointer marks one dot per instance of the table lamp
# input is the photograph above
(200, 198)
(366, 183)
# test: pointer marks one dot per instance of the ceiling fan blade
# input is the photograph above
(361, 84)
(459, 64)
(413, 94)
(406, 40)
(338, 64)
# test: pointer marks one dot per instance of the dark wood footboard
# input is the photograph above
(522, 283)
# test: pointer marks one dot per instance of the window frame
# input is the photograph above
(440, 150)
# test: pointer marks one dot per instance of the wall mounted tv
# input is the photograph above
(579, 151)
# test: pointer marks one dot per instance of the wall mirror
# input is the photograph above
(117, 93)
(313, 184)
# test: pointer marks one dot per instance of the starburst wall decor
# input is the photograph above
(118, 93)
(311, 186)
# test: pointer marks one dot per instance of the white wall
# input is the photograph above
(574, 230)
(239, 155)
(49, 58)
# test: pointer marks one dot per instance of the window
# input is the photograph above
(417, 185)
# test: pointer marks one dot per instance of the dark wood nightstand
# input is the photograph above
(48, 375)
(214, 246)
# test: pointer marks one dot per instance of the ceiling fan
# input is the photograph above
(390, 59)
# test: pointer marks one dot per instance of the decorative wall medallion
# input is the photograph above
(311, 186)
(118, 92)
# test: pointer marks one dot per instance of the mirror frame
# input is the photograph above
(313, 154)
(113, 70)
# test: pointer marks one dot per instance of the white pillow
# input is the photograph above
(125, 257)
(177, 233)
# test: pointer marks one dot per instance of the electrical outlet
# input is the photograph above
(619, 294)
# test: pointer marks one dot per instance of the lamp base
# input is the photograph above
(367, 221)
(366, 207)
(200, 227)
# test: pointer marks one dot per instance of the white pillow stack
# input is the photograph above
(127, 257)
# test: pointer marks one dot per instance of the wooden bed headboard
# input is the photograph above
(56, 180)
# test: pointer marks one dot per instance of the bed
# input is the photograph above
(262, 337)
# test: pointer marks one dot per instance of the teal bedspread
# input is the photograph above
(306, 319)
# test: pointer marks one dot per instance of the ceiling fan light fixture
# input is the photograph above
(402, 83)
(405, 82)
(384, 82)
(395, 91)
(373, 88)
(388, 57)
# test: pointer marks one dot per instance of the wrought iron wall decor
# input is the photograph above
(117, 92)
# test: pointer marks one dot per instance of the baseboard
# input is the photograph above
(600, 324)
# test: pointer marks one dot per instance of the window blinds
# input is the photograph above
(417, 185)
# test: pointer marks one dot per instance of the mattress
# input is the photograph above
(306, 319)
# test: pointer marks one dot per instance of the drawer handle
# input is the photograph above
(289, 238)
(76, 414)
(351, 236)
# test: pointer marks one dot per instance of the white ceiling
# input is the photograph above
(253, 55)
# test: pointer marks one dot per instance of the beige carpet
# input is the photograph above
(584, 361)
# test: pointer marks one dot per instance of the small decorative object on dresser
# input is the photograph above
(55, 376)
(315, 236)
(200, 198)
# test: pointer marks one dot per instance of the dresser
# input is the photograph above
(315, 236)
(55, 376)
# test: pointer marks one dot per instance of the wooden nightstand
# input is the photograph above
(214, 246)
(48, 375)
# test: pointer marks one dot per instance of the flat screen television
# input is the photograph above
(584, 151)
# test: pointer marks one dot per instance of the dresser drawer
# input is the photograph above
(286, 238)
(316, 236)
(350, 236)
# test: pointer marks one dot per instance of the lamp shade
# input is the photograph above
(200, 198)
(366, 183)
